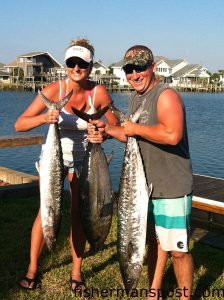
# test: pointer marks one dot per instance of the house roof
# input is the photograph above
(192, 70)
(159, 58)
(33, 54)
(173, 62)
(198, 71)
(186, 70)
(118, 64)
(98, 64)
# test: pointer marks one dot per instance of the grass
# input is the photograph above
(100, 270)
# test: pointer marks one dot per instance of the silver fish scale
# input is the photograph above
(132, 215)
(132, 207)
(51, 173)
(96, 196)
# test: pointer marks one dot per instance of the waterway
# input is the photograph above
(205, 122)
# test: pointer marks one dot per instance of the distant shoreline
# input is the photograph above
(190, 88)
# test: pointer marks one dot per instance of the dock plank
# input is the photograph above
(21, 140)
(209, 187)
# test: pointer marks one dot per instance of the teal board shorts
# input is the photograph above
(169, 222)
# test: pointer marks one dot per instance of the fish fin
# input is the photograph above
(37, 165)
(136, 115)
(114, 196)
(130, 251)
(106, 210)
(109, 158)
(83, 115)
(150, 188)
(55, 105)
(77, 172)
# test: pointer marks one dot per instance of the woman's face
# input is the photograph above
(78, 69)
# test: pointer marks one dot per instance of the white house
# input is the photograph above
(4, 75)
(166, 67)
(173, 71)
(221, 79)
(98, 70)
(190, 74)
(118, 71)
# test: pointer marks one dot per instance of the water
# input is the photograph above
(205, 130)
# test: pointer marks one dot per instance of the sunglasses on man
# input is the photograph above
(72, 62)
(128, 69)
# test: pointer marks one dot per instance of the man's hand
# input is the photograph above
(96, 131)
(129, 128)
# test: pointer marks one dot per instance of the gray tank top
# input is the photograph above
(167, 167)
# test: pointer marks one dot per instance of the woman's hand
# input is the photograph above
(52, 116)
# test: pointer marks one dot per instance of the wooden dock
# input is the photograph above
(199, 88)
(208, 210)
(207, 188)
(181, 87)
(208, 202)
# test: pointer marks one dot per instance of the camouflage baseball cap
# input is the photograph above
(138, 55)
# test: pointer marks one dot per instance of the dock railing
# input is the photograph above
(17, 183)
(21, 140)
(213, 206)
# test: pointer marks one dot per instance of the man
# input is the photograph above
(162, 136)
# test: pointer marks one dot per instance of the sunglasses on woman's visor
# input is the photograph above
(72, 62)
(128, 69)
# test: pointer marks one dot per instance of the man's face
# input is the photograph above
(141, 81)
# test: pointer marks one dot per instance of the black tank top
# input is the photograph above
(167, 167)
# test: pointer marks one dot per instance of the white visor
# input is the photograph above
(79, 51)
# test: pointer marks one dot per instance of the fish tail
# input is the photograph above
(62, 102)
(56, 105)
(83, 115)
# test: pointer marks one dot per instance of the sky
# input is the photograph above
(177, 29)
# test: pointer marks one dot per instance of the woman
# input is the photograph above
(90, 97)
